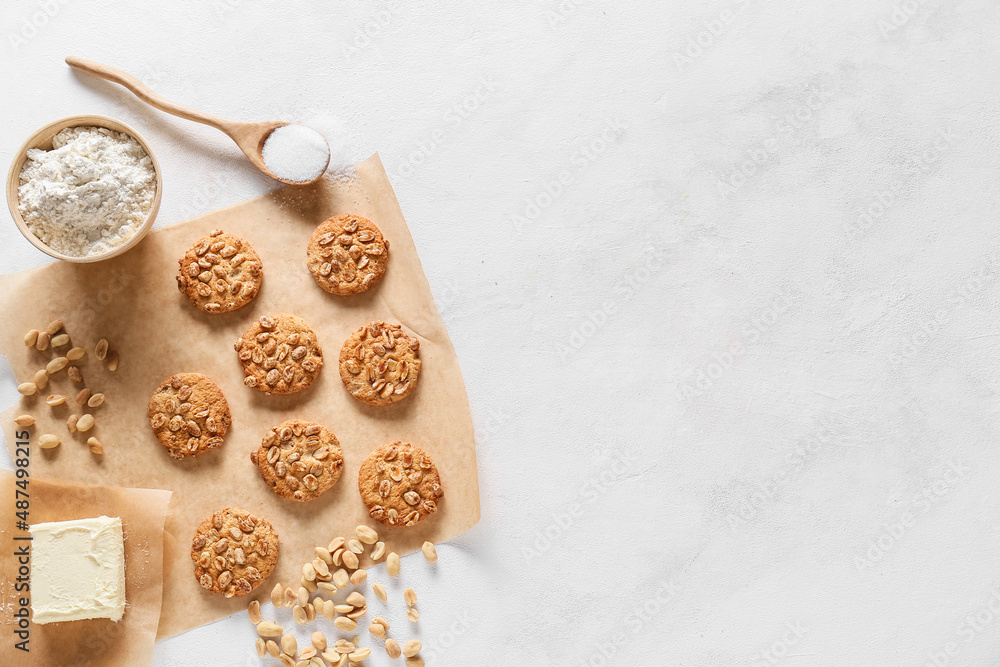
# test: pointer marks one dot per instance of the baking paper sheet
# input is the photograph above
(133, 301)
(97, 641)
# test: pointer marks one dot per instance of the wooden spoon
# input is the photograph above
(250, 137)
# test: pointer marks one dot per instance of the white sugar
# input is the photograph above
(296, 153)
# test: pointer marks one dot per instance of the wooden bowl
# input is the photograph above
(43, 139)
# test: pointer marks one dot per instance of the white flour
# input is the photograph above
(88, 194)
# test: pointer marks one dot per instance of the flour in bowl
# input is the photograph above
(88, 194)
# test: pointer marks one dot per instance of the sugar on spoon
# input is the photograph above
(291, 153)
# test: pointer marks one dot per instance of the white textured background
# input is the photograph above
(722, 277)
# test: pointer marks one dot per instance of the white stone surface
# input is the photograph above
(724, 417)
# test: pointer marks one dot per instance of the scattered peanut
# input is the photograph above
(48, 441)
(327, 588)
(356, 599)
(345, 624)
(299, 614)
(380, 592)
(337, 543)
(411, 648)
(261, 647)
(392, 648)
(269, 629)
(309, 572)
(377, 630)
(356, 546)
(71, 423)
(76, 353)
(290, 598)
(41, 378)
(253, 611)
(310, 612)
(377, 551)
(410, 596)
(273, 649)
(302, 596)
(324, 555)
(95, 446)
(75, 376)
(55, 399)
(307, 653)
(392, 564)
(42, 342)
(359, 577)
(113, 361)
(366, 534)
(101, 351)
(288, 644)
(350, 560)
(359, 655)
(277, 594)
(430, 552)
(31, 338)
(343, 608)
(83, 396)
(415, 661)
(24, 420)
(319, 641)
(56, 365)
(341, 578)
(413, 615)
(96, 400)
(60, 340)
(27, 388)
(85, 423)
(55, 326)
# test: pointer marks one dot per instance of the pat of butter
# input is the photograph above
(77, 570)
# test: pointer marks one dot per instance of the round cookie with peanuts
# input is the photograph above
(220, 272)
(347, 254)
(400, 484)
(380, 363)
(234, 552)
(280, 354)
(189, 414)
(299, 460)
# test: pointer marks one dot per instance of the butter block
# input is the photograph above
(77, 570)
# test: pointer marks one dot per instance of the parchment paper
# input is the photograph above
(133, 301)
(97, 641)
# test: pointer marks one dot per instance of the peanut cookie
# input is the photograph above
(399, 484)
(279, 354)
(189, 414)
(299, 460)
(347, 254)
(234, 552)
(380, 363)
(220, 273)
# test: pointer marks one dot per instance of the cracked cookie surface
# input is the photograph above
(347, 254)
(189, 414)
(280, 354)
(220, 272)
(399, 484)
(233, 552)
(299, 460)
(380, 363)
